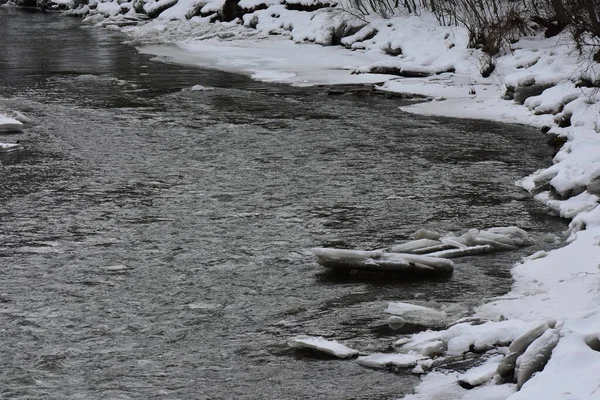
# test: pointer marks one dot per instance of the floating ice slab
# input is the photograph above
(379, 260)
(471, 243)
(381, 360)
(19, 116)
(9, 147)
(318, 343)
(418, 315)
(200, 88)
(9, 124)
(413, 245)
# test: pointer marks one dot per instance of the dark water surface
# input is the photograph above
(206, 203)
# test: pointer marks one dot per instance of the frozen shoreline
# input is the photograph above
(560, 285)
(563, 284)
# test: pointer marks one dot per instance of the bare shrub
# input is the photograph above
(491, 24)
(388, 8)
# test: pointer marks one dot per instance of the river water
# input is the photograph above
(153, 240)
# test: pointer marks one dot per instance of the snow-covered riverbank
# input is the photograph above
(434, 61)
(562, 284)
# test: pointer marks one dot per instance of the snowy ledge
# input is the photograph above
(552, 310)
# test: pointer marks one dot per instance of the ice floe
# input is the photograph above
(383, 360)
(379, 260)
(9, 124)
(320, 344)
(417, 315)
(10, 147)
(424, 255)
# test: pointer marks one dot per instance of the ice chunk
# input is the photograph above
(507, 367)
(419, 341)
(457, 242)
(497, 241)
(8, 147)
(378, 260)
(117, 269)
(536, 356)
(536, 255)
(20, 117)
(479, 375)
(318, 343)
(469, 251)
(427, 260)
(200, 88)
(466, 337)
(382, 360)
(9, 124)
(426, 234)
(521, 343)
(409, 247)
(432, 249)
(418, 315)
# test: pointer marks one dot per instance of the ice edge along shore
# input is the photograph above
(542, 75)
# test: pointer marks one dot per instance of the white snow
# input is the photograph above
(276, 60)
(443, 386)
(463, 337)
(484, 373)
(320, 344)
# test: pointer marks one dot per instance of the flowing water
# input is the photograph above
(153, 240)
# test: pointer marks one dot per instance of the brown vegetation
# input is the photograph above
(492, 24)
